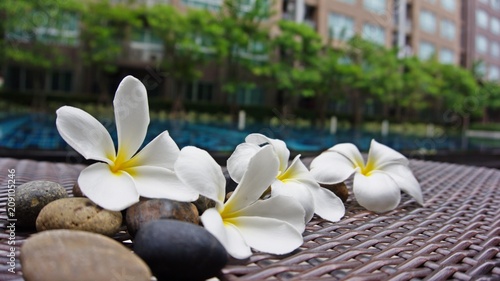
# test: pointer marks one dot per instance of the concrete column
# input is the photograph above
(300, 10)
(401, 10)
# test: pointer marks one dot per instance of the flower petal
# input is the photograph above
(297, 170)
(278, 207)
(131, 115)
(199, 171)
(297, 191)
(260, 174)
(238, 161)
(162, 152)
(112, 191)
(351, 152)
(331, 167)
(327, 205)
(227, 234)
(381, 155)
(267, 234)
(156, 182)
(85, 134)
(405, 180)
(278, 145)
(377, 192)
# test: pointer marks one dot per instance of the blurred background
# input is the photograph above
(418, 75)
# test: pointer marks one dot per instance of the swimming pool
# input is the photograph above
(38, 132)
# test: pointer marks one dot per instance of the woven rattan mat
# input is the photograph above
(455, 236)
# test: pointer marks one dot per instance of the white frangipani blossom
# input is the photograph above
(122, 175)
(295, 180)
(378, 183)
(244, 221)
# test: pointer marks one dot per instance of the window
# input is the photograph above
(481, 68)
(426, 50)
(249, 96)
(427, 21)
(341, 26)
(495, 49)
(447, 29)
(495, 4)
(481, 44)
(145, 45)
(62, 30)
(247, 6)
(481, 18)
(61, 81)
(255, 52)
(213, 5)
(495, 26)
(150, 3)
(199, 91)
(494, 73)
(448, 5)
(373, 33)
(446, 56)
(145, 36)
(375, 6)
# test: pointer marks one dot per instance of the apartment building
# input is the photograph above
(454, 31)
(342, 19)
(424, 28)
(432, 28)
(481, 37)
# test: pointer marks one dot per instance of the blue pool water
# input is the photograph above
(37, 131)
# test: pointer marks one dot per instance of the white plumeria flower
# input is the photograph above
(294, 180)
(273, 225)
(117, 181)
(378, 183)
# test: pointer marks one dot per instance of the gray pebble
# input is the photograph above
(31, 197)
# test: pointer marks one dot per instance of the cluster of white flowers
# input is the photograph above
(245, 220)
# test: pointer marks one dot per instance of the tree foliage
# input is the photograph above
(238, 40)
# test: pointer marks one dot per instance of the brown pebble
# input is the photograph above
(203, 203)
(79, 256)
(154, 209)
(77, 192)
(340, 189)
(78, 214)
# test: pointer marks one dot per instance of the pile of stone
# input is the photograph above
(75, 238)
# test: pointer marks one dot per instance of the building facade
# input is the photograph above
(453, 31)
(481, 37)
(340, 20)
(433, 29)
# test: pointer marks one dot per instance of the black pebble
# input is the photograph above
(177, 250)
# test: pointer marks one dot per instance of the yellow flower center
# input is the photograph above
(367, 169)
(120, 164)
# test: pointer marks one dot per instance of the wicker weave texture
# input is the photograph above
(456, 235)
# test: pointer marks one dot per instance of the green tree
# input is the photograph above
(294, 67)
(417, 84)
(337, 74)
(488, 99)
(245, 48)
(376, 75)
(29, 29)
(105, 29)
(457, 86)
(188, 40)
(488, 94)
